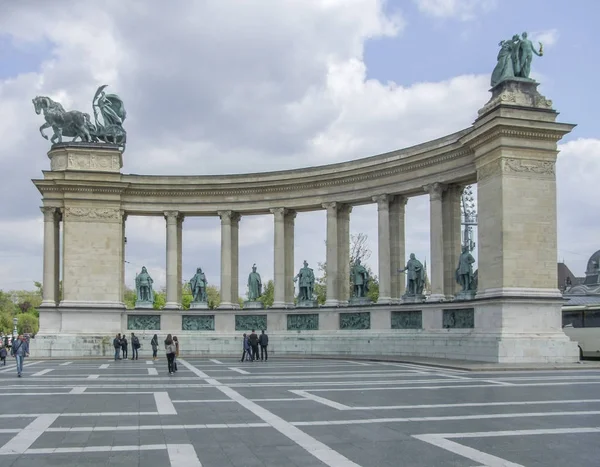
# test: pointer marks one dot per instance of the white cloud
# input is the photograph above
(548, 37)
(463, 10)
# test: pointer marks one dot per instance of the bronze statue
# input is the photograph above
(306, 283)
(415, 276)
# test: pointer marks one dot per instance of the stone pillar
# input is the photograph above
(332, 256)
(436, 228)
(229, 259)
(344, 254)
(397, 247)
(51, 256)
(384, 249)
(289, 221)
(180, 220)
(452, 238)
(123, 246)
(279, 257)
(172, 218)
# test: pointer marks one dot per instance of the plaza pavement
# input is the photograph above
(295, 412)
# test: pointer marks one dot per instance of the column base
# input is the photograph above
(385, 301)
(519, 292)
(86, 304)
(228, 306)
(438, 297)
(48, 304)
(172, 306)
(279, 305)
(332, 302)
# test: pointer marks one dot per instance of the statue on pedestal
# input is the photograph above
(514, 59)
(464, 272)
(415, 277)
(360, 280)
(76, 124)
(306, 285)
(198, 285)
(254, 285)
(143, 289)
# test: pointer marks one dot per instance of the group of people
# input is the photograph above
(121, 346)
(250, 346)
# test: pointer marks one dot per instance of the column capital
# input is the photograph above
(50, 213)
(171, 216)
(228, 217)
(435, 190)
(278, 212)
(123, 215)
(401, 200)
(383, 201)
(332, 206)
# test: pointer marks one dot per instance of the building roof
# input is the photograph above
(563, 273)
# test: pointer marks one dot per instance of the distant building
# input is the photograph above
(581, 293)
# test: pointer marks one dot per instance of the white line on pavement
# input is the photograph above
(321, 400)
(93, 377)
(12, 367)
(149, 362)
(216, 361)
(153, 371)
(78, 390)
(104, 366)
(240, 371)
(65, 363)
(164, 404)
(43, 372)
(183, 455)
(26, 437)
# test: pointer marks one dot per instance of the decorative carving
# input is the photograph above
(93, 214)
(355, 320)
(58, 162)
(278, 212)
(143, 322)
(171, 216)
(528, 166)
(302, 322)
(459, 318)
(517, 92)
(435, 190)
(412, 319)
(331, 207)
(383, 201)
(247, 322)
(198, 322)
(228, 217)
(50, 213)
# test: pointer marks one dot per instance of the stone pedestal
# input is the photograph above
(360, 301)
(467, 295)
(307, 304)
(254, 305)
(413, 298)
(199, 306)
(144, 305)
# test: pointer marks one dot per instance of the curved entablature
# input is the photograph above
(402, 172)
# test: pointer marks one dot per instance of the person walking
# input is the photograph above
(124, 345)
(245, 349)
(135, 345)
(170, 350)
(20, 350)
(117, 346)
(3, 354)
(176, 342)
(263, 341)
(253, 340)
(154, 345)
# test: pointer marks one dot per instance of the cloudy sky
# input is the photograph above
(224, 86)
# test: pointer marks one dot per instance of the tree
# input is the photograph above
(268, 296)
(28, 324)
(214, 296)
(129, 297)
(6, 323)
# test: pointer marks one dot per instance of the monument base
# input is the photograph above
(413, 298)
(465, 295)
(139, 304)
(199, 306)
(253, 305)
(360, 301)
(307, 304)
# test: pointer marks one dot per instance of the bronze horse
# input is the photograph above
(74, 123)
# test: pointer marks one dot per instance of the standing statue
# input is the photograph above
(464, 272)
(514, 58)
(254, 285)
(415, 276)
(143, 287)
(360, 280)
(76, 124)
(198, 285)
(306, 285)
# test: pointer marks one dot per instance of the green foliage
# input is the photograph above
(129, 297)
(373, 292)
(186, 295)
(268, 296)
(6, 323)
(213, 296)
(160, 299)
(28, 324)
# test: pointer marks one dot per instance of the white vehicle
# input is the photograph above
(582, 325)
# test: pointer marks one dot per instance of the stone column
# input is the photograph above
(229, 259)
(289, 221)
(172, 218)
(344, 254)
(279, 257)
(452, 238)
(397, 247)
(51, 256)
(123, 246)
(384, 249)
(436, 277)
(332, 256)
(180, 220)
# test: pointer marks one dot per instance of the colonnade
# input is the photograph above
(445, 240)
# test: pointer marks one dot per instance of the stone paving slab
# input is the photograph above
(295, 412)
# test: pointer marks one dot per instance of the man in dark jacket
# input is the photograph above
(253, 341)
(20, 350)
(135, 345)
(117, 346)
(263, 340)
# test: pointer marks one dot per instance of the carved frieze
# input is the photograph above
(85, 161)
(93, 214)
(528, 167)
